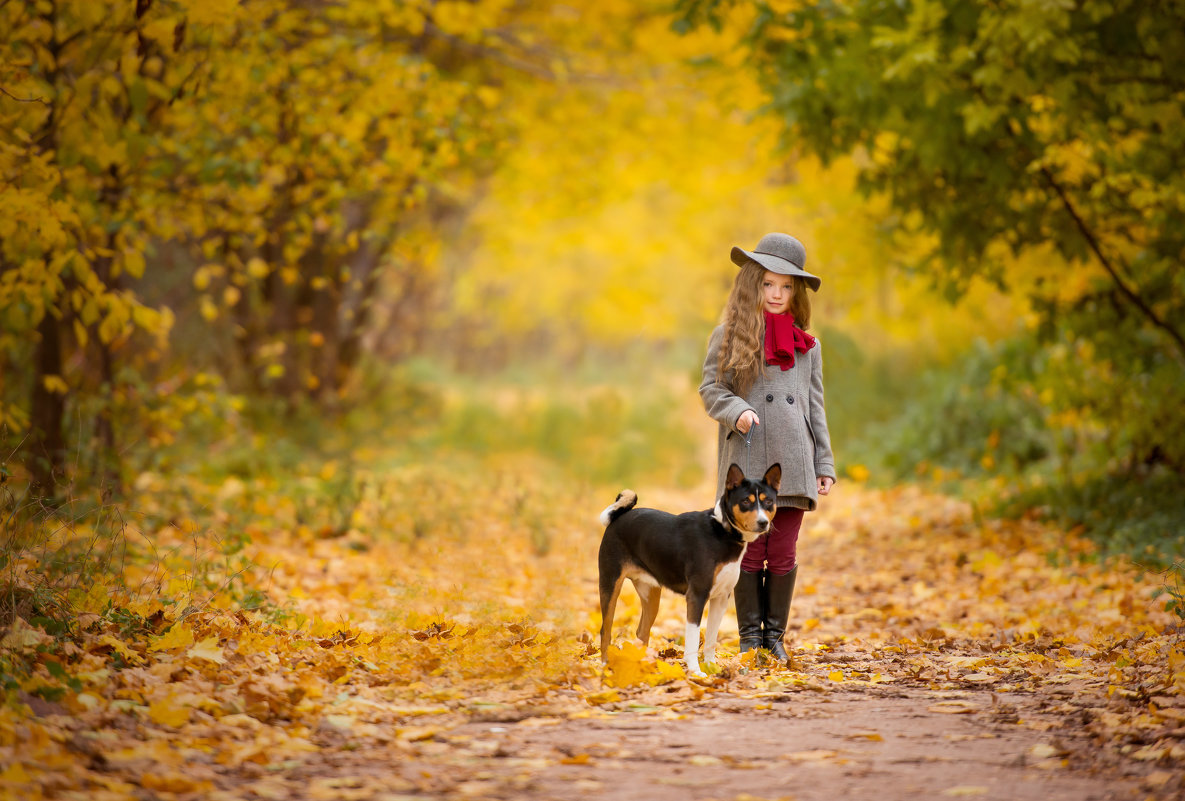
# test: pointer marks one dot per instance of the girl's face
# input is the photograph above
(777, 290)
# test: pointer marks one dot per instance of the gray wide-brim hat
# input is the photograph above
(779, 253)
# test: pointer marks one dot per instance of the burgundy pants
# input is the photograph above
(779, 548)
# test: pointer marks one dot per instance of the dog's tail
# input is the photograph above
(626, 500)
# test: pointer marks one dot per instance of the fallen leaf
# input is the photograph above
(625, 662)
(1044, 751)
(173, 782)
(817, 755)
(866, 735)
(980, 677)
(22, 636)
(208, 649)
(603, 697)
(415, 734)
(953, 707)
(168, 712)
(1149, 753)
(1157, 779)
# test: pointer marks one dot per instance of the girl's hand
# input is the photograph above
(825, 483)
(746, 421)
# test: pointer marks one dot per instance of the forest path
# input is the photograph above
(881, 743)
(935, 655)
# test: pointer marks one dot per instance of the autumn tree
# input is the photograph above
(325, 159)
(296, 163)
(82, 88)
(1047, 131)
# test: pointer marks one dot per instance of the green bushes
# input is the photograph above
(1091, 439)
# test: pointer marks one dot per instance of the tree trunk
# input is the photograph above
(48, 449)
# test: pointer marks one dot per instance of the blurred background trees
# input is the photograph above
(219, 217)
(276, 167)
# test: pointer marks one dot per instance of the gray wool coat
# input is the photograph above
(793, 430)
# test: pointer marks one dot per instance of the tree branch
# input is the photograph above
(1125, 289)
(40, 100)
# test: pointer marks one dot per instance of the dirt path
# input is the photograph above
(884, 744)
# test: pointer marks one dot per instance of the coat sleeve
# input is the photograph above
(721, 404)
(824, 459)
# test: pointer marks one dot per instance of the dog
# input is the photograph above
(696, 554)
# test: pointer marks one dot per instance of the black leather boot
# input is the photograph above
(749, 598)
(779, 591)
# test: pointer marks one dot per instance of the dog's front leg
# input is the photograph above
(696, 601)
(716, 609)
(691, 649)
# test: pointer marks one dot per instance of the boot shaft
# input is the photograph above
(749, 597)
(778, 593)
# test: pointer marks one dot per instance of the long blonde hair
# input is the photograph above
(742, 353)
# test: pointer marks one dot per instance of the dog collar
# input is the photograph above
(721, 517)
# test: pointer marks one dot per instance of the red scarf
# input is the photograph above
(782, 338)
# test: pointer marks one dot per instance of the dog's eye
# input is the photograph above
(750, 499)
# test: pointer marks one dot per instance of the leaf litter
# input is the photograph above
(391, 649)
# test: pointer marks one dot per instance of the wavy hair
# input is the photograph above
(742, 352)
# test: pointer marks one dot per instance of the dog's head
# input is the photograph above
(748, 504)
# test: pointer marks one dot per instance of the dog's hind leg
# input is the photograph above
(610, 590)
(650, 594)
(716, 609)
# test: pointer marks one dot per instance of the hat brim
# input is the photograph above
(775, 264)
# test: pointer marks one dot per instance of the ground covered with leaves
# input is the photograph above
(427, 648)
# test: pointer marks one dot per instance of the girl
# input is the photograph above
(763, 383)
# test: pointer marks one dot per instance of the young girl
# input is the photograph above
(763, 382)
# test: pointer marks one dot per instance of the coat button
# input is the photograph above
(790, 399)
(769, 398)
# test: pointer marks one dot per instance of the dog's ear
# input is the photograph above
(773, 476)
(734, 478)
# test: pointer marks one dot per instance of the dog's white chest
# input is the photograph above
(726, 577)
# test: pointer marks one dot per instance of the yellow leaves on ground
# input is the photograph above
(168, 711)
(23, 637)
(629, 666)
(208, 649)
(387, 639)
(177, 637)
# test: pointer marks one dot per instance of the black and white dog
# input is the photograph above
(696, 554)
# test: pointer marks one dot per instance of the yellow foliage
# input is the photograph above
(629, 666)
(208, 649)
(168, 712)
(177, 637)
(613, 219)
